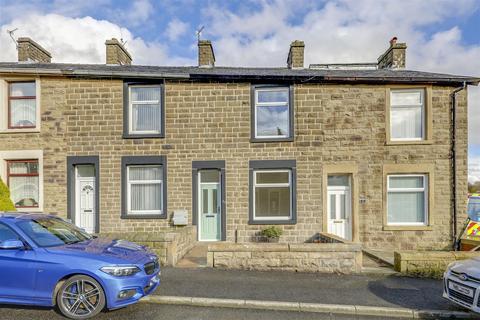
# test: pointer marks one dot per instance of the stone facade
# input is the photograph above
(334, 124)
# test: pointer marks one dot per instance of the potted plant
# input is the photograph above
(6, 203)
(272, 234)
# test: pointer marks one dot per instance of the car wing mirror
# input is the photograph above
(11, 244)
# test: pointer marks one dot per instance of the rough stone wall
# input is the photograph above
(169, 244)
(325, 258)
(334, 124)
(395, 57)
(428, 263)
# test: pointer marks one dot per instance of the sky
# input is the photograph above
(441, 35)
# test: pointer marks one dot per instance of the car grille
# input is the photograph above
(150, 267)
(460, 296)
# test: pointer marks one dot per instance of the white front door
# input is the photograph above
(85, 215)
(339, 206)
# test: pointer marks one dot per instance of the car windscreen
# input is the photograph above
(474, 208)
(50, 232)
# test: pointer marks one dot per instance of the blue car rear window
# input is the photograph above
(50, 232)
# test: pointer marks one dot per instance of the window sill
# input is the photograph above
(143, 216)
(267, 222)
(257, 140)
(407, 142)
(407, 228)
(29, 130)
(143, 136)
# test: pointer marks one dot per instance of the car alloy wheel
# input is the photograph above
(80, 297)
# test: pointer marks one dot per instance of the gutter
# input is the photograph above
(86, 73)
(456, 240)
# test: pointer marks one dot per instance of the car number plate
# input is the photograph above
(461, 289)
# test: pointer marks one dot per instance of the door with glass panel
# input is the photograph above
(209, 200)
(339, 206)
(85, 211)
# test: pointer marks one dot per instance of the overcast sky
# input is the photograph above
(442, 35)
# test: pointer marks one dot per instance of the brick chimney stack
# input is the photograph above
(394, 57)
(206, 56)
(116, 53)
(30, 51)
(296, 55)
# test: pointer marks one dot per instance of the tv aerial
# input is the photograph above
(10, 33)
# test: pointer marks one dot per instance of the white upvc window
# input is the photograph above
(145, 109)
(407, 199)
(272, 195)
(407, 114)
(144, 189)
(272, 113)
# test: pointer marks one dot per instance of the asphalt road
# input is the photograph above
(165, 312)
(367, 290)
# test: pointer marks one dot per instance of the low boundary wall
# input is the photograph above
(304, 257)
(431, 264)
(169, 245)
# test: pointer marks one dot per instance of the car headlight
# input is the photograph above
(120, 271)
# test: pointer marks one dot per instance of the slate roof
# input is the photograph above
(236, 73)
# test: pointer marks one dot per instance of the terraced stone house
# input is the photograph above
(373, 153)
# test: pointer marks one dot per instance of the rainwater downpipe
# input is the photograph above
(454, 163)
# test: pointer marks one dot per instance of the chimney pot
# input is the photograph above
(206, 55)
(296, 55)
(394, 57)
(116, 53)
(30, 51)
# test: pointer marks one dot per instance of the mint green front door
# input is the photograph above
(209, 195)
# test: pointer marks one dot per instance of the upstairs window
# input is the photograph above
(23, 182)
(272, 113)
(407, 115)
(144, 113)
(22, 105)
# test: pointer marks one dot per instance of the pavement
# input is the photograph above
(365, 290)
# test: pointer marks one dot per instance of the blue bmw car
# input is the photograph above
(46, 261)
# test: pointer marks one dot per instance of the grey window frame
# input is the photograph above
(139, 161)
(274, 165)
(126, 109)
(253, 119)
(72, 162)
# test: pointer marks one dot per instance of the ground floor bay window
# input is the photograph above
(144, 190)
(272, 192)
(407, 200)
